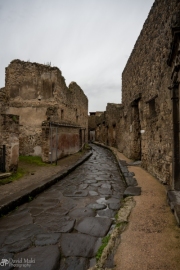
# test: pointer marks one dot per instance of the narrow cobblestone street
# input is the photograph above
(62, 228)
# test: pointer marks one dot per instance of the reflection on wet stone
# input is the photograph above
(36, 211)
(94, 226)
(47, 239)
(106, 191)
(55, 223)
(75, 193)
(96, 206)
(83, 186)
(114, 206)
(77, 244)
(17, 246)
(24, 232)
(82, 212)
(93, 193)
(46, 258)
(14, 221)
(106, 213)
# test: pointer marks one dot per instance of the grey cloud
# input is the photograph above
(90, 41)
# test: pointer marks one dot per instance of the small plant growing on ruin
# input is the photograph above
(48, 64)
(30, 198)
(122, 224)
(15, 176)
(14, 118)
(105, 241)
(32, 160)
(87, 147)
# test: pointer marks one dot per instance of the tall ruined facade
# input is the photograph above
(147, 122)
(150, 127)
(174, 63)
(147, 118)
(53, 118)
(9, 136)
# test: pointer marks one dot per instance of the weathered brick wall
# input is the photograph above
(91, 126)
(9, 136)
(112, 120)
(60, 140)
(38, 93)
(106, 124)
(80, 102)
(95, 121)
(91, 121)
(147, 115)
(101, 130)
(3, 100)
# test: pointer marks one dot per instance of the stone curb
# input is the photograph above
(122, 216)
(128, 177)
(173, 199)
(115, 236)
(24, 195)
(107, 147)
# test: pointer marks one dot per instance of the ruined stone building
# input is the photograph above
(103, 126)
(9, 136)
(92, 126)
(94, 121)
(147, 123)
(52, 118)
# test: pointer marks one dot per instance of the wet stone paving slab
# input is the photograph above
(63, 227)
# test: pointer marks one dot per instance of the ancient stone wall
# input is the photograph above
(106, 124)
(80, 102)
(38, 93)
(3, 100)
(9, 136)
(91, 126)
(112, 120)
(92, 120)
(147, 116)
(59, 140)
(101, 131)
(174, 87)
(95, 119)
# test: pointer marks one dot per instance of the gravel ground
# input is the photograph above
(152, 238)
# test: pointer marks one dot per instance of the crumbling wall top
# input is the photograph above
(38, 65)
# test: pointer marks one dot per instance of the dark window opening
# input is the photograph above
(62, 114)
(152, 108)
(53, 87)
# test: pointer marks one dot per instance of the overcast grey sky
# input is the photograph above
(88, 40)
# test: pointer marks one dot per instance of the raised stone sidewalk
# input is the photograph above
(16, 193)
